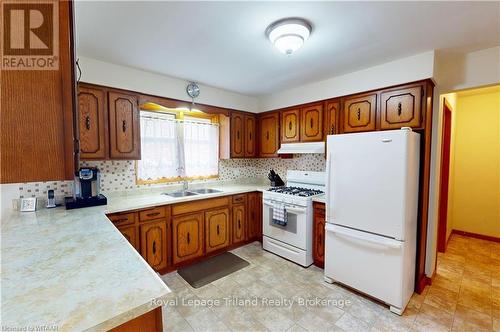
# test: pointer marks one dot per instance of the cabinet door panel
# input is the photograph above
(290, 126)
(124, 126)
(401, 108)
(254, 223)
(216, 229)
(269, 131)
(332, 109)
(130, 233)
(187, 237)
(154, 244)
(237, 135)
(319, 235)
(359, 113)
(311, 125)
(239, 223)
(249, 136)
(92, 123)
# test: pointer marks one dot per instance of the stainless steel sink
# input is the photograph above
(180, 193)
(205, 191)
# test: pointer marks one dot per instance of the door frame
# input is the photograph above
(444, 177)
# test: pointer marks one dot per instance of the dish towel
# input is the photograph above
(279, 214)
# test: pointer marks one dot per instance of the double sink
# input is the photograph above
(184, 193)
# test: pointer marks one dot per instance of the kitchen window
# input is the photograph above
(177, 146)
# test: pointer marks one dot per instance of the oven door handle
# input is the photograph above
(295, 210)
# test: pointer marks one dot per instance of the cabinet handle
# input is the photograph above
(333, 129)
(319, 239)
(290, 125)
(122, 219)
(253, 215)
(217, 229)
(188, 238)
(359, 114)
(399, 109)
(154, 247)
(87, 122)
(238, 135)
(312, 123)
(267, 135)
(250, 134)
(153, 214)
(124, 126)
(239, 223)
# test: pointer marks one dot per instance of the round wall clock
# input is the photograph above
(193, 90)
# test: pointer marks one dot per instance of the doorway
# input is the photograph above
(444, 178)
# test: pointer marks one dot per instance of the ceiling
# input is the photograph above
(224, 44)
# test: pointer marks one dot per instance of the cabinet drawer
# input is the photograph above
(204, 204)
(150, 214)
(242, 198)
(120, 219)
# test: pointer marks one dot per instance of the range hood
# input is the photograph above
(296, 148)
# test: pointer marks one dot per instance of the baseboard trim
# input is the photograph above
(475, 235)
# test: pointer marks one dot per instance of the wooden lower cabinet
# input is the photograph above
(216, 229)
(319, 234)
(187, 234)
(239, 223)
(154, 243)
(254, 215)
(149, 322)
(130, 233)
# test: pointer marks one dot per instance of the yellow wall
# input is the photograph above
(474, 193)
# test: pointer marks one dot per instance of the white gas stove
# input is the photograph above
(292, 241)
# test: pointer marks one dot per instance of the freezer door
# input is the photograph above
(372, 181)
(369, 263)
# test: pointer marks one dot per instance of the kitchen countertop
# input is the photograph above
(319, 199)
(74, 270)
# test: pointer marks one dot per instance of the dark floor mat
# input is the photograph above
(202, 273)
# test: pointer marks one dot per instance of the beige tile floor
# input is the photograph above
(465, 296)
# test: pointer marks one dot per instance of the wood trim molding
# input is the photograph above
(476, 235)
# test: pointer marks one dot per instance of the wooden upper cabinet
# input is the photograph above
(332, 110)
(216, 229)
(401, 108)
(269, 134)
(154, 243)
(290, 126)
(124, 126)
(311, 124)
(359, 113)
(92, 122)
(250, 136)
(237, 135)
(187, 234)
(239, 223)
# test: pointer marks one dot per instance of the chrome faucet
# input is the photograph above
(185, 185)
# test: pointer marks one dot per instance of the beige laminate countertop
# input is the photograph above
(319, 199)
(72, 269)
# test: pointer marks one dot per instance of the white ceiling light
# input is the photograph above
(288, 34)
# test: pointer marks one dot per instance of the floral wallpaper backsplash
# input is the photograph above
(119, 175)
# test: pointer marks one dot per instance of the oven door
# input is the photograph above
(294, 232)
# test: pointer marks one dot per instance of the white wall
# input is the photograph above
(108, 74)
(413, 68)
(458, 71)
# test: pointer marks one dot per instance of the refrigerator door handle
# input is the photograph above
(363, 237)
(329, 170)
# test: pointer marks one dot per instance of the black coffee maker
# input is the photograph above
(87, 182)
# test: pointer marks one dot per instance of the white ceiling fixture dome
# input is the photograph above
(288, 34)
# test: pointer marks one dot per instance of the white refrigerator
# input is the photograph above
(371, 213)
